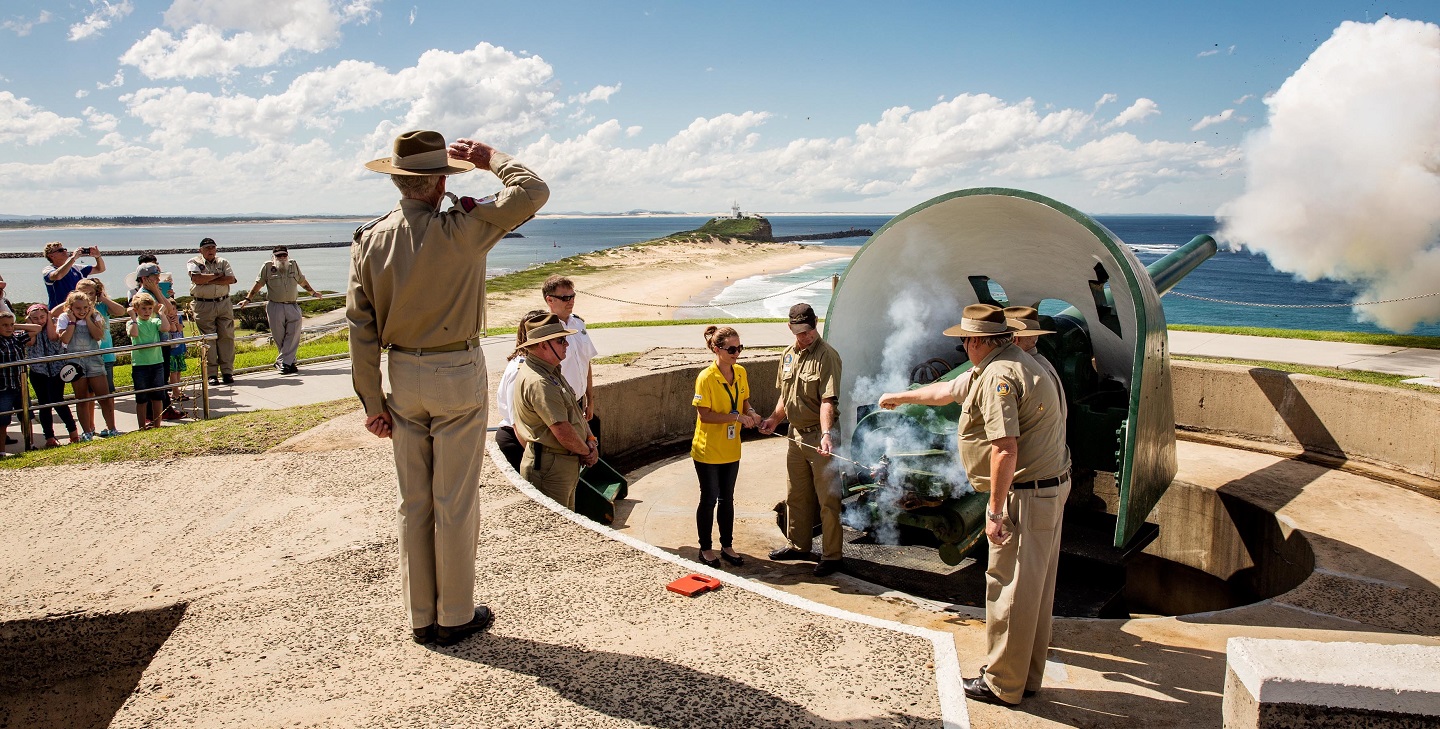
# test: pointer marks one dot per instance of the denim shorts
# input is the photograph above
(92, 366)
(146, 377)
(9, 400)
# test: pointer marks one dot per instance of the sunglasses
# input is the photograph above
(737, 349)
(566, 297)
(282, 255)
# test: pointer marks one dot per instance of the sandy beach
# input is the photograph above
(674, 274)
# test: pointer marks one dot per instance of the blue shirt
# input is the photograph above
(58, 290)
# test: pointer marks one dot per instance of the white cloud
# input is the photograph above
(22, 27)
(20, 121)
(1243, 99)
(486, 91)
(1213, 119)
(599, 93)
(99, 120)
(116, 82)
(105, 14)
(81, 93)
(1211, 52)
(1138, 111)
(1106, 99)
(264, 31)
(413, 11)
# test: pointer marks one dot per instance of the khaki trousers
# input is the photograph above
(438, 403)
(557, 476)
(218, 317)
(285, 322)
(1020, 591)
(812, 486)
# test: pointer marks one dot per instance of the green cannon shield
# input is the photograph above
(1009, 247)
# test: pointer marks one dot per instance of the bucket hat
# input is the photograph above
(543, 329)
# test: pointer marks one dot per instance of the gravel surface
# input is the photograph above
(263, 591)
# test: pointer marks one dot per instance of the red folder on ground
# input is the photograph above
(693, 584)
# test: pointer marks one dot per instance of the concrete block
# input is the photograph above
(1273, 684)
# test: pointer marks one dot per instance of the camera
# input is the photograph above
(87, 251)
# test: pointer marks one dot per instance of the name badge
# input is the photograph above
(730, 431)
(785, 366)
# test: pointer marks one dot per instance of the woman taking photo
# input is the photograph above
(722, 409)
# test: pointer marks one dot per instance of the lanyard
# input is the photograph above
(733, 403)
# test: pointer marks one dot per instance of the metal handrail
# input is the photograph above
(27, 428)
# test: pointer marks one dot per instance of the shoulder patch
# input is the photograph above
(1003, 389)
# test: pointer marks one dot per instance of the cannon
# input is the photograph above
(1005, 247)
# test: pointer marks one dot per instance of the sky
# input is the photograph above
(115, 107)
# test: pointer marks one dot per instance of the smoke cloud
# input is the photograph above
(1344, 181)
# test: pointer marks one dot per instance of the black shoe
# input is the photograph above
(425, 635)
(700, 557)
(1028, 693)
(736, 560)
(828, 567)
(228, 379)
(214, 381)
(290, 370)
(787, 554)
(448, 636)
(977, 690)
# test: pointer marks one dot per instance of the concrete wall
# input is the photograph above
(1388, 426)
(654, 407)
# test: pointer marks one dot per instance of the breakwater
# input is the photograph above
(224, 249)
(851, 233)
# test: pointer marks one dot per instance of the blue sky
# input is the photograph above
(202, 106)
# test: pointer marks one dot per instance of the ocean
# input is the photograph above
(1232, 276)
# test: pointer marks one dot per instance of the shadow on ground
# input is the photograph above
(654, 692)
(76, 672)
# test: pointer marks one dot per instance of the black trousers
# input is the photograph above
(509, 445)
(717, 494)
(49, 390)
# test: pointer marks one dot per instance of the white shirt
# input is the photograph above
(576, 365)
(505, 396)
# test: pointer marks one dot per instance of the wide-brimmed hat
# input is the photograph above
(543, 329)
(419, 152)
(1025, 320)
(980, 320)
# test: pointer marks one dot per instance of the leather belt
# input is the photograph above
(211, 301)
(1043, 483)
(806, 431)
(468, 344)
(271, 301)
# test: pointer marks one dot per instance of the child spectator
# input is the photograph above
(148, 364)
(81, 328)
(45, 376)
(150, 280)
(95, 289)
(12, 349)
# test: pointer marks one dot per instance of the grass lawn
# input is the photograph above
(244, 433)
(1370, 378)
(250, 355)
(1385, 340)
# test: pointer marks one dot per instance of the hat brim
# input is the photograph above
(385, 165)
(552, 335)
(959, 331)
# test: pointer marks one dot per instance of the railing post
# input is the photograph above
(205, 380)
(26, 426)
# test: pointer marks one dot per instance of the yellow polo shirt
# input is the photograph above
(718, 442)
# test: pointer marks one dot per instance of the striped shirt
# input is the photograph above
(12, 349)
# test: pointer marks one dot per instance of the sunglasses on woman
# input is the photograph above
(737, 349)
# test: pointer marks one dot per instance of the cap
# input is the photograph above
(802, 318)
(147, 269)
(207, 242)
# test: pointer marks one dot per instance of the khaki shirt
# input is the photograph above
(1013, 396)
(428, 268)
(542, 399)
(282, 281)
(199, 265)
(805, 379)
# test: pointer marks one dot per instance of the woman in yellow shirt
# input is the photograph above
(722, 408)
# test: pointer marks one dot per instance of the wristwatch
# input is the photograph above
(992, 516)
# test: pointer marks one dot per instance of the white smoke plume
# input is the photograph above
(1344, 181)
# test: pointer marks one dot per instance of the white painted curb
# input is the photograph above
(953, 714)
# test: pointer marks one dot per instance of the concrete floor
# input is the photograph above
(1377, 567)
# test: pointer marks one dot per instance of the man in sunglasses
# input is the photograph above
(559, 293)
(63, 274)
(547, 414)
(282, 280)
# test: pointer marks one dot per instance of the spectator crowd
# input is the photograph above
(76, 319)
